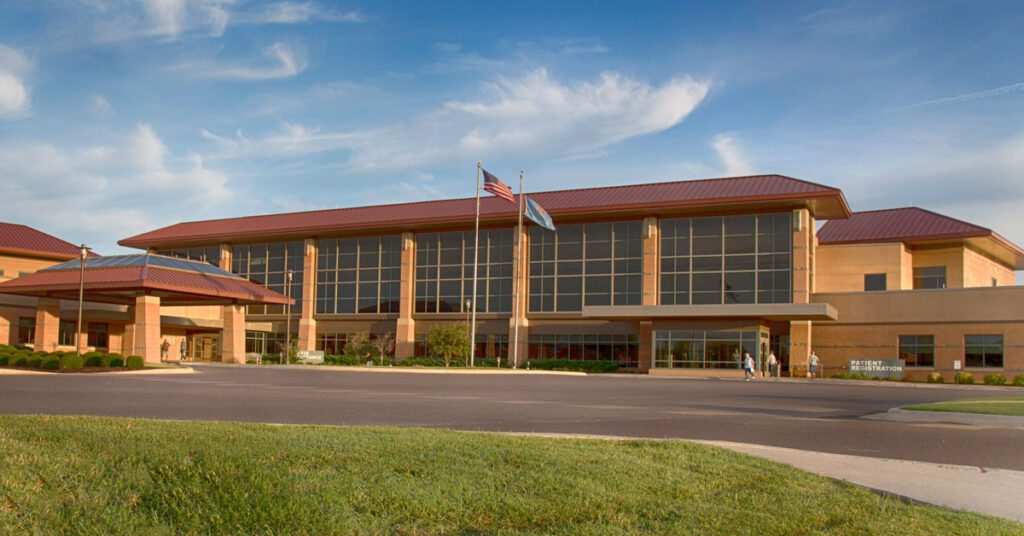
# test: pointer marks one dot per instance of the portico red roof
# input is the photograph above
(20, 239)
(118, 279)
(825, 201)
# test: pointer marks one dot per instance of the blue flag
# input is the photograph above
(538, 215)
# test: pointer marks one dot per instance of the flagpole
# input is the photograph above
(518, 287)
(476, 260)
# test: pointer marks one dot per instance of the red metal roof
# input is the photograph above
(23, 240)
(897, 225)
(111, 283)
(666, 195)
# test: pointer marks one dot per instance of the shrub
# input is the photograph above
(270, 359)
(92, 360)
(115, 362)
(71, 362)
(995, 379)
(35, 361)
(576, 365)
(134, 361)
(858, 376)
(350, 360)
(19, 360)
(493, 363)
(1018, 380)
(840, 376)
(3, 359)
(425, 362)
(936, 377)
(51, 363)
(107, 359)
(964, 377)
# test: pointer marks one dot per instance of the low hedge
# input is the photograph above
(35, 361)
(964, 377)
(935, 377)
(1018, 380)
(51, 363)
(134, 362)
(115, 362)
(995, 379)
(428, 362)
(18, 360)
(351, 360)
(92, 360)
(71, 362)
(575, 365)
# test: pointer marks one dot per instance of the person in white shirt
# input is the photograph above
(773, 365)
(748, 367)
(813, 362)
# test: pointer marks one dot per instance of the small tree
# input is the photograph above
(384, 344)
(448, 341)
(358, 344)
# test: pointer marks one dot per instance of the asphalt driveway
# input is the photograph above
(819, 417)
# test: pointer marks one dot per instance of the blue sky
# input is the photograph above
(117, 117)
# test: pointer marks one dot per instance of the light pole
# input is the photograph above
(81, 298)
(288, 319)
(469, 307)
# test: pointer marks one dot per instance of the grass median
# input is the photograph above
(61, 475)
(1010, 405)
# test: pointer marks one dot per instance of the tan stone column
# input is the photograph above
(650, 262)
(405, 330)
(233, 334)
(47, 324)
(646, 334)
(799, 347)
(146, 340)
(224, 263)
(307, 324)
(520, 268)
(803, 244)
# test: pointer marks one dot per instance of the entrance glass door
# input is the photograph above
(204, 347)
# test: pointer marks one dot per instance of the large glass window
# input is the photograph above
(255, 342)
(591, 264)
(267, 265)
(704, 349)
(733, 259)
(930, 277)
(359, 275)
(983, 351)
(66, 333)
(624, 349)
(444, 271)
(332, 343)
(209, 254)
(26, 330)
(917, 350)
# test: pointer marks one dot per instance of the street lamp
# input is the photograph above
(288, 319)
(81, 298)
(469, 308)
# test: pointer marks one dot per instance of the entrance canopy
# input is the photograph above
(120, 279)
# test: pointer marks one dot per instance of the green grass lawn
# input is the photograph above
(85, 475)
(1010, 405)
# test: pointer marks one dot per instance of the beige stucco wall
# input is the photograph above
(12, 266)
(952, 258)
(979, 271)
(841, 268)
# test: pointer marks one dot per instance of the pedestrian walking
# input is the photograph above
(183, 349)
(773, 364)
(812, 361)
(748, 367)
(165, 349)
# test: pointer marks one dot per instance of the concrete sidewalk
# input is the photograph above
(997, 492)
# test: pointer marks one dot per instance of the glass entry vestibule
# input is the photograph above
(723, 350)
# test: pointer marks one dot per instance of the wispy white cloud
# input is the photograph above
(965, 97)
(282, 61)
(535, 115)
(295, 13)
(15, 98)
(107, 191)
(100, 105)
(734, 162)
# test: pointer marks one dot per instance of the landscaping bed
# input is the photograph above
(18, 358)
(74, 475)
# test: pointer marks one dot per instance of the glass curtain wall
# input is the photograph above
(359, 275)
(208, 254)
(267, 265)
(444, 271)
(704, 349)
(589, 264)
(723, 260)
(624, 349)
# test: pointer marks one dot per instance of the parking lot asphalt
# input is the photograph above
(807, 416)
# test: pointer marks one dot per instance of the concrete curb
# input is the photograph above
(857, 383)
(140, 372)
(415, 370)
(974, 419)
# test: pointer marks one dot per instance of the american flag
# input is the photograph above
(495, 186)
